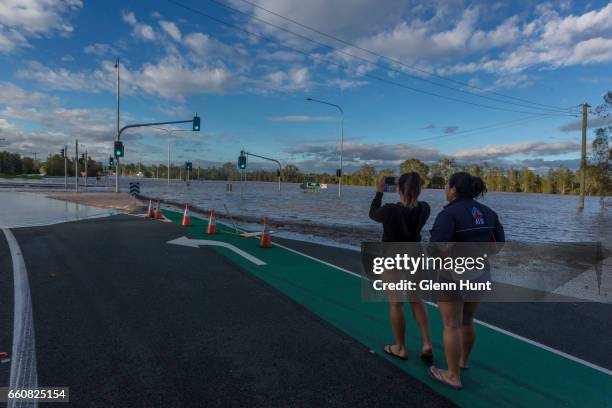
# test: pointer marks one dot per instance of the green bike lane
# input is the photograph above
(505, 371)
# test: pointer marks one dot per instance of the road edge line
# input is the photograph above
(23, 372)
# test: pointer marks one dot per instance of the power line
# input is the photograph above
(378, 78)
(395, 61)
(495, 126)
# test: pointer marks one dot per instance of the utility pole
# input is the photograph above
(65, 167)
(118, 130)
(76, 166)
(583, 163)
(85, 161)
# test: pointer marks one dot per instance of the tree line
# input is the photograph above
(559, 180)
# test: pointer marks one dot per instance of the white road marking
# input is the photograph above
(23, 360)
(196, 243)
(480, 322)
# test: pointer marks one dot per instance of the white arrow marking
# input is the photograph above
(196, 243)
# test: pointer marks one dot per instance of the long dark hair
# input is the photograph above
(467, 186)
(409, 184)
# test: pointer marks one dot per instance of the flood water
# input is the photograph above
(526, 217)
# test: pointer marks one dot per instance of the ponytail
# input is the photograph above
(409, 184)
(467, 186)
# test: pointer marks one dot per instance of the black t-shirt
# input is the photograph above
(400, 223)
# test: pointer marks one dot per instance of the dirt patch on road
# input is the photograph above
(118, 201)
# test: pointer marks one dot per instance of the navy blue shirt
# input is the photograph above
(467, 221)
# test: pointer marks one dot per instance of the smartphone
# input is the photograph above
(390, 186)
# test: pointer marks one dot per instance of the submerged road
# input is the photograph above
(125, 319)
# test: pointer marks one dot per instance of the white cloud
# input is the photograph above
(172, 78)
(101, 50)
(525, 148)
(23, 19)
(382, 154)
(17, 96)
(139, 30)
(290, 80)
(551, 40)
(171, 29)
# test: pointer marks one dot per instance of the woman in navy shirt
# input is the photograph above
(463, 220)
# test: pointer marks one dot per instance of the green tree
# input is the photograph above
(417, 166)
(549, 182)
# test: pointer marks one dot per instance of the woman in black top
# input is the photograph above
(402, 222)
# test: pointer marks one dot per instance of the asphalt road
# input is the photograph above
(582, 329)
(124, 319)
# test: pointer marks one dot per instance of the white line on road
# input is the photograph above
(23, 359)
(480, 322)
(195, 243)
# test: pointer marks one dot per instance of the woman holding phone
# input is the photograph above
(402, 222)
(463, 219)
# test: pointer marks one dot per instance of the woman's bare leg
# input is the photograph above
(420, 317)
(398, 325)
(452, 316)
(468, 335)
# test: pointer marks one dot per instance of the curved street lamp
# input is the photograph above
(170, 132)
(341, 137)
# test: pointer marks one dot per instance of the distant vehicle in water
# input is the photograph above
(310, 185)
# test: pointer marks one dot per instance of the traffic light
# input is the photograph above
(63, 153)
(242, 162)
(196, 123)
(111, 161)
(338, 173)
(82, 158)
(118, 148)
(188, 166)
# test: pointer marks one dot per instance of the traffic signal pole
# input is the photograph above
(245, 153)
(195, 120)
(118, 131)
(76, 166)
(65, 167)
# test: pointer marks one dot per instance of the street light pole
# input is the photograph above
(170, 132)
(340, 173)
(118, 131)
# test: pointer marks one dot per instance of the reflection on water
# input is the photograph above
(526, 217)
(19, 209)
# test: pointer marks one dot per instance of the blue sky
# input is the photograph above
(57, 78)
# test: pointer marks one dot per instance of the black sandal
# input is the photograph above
(427, 357)
(388, 350)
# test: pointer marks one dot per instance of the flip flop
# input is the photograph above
(435, 374)
(388, 350)
(427, 356)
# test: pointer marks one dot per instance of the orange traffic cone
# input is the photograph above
(212, 227)
(186, 219)
(265, 241)
(158, 212)
(150, 211)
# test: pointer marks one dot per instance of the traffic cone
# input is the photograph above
(158, 212)
(150, 211)
(186, 219)
(212, 227)
(265, 241)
